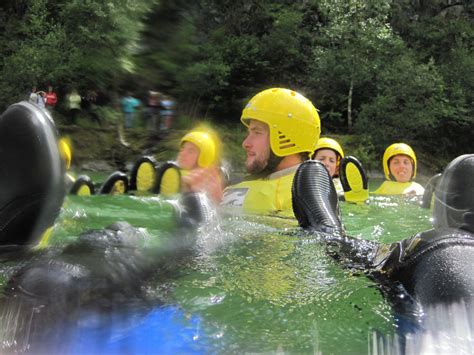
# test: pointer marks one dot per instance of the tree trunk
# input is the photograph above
(349, 105)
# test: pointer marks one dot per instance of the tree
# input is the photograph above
(354, 40)
(235, 49)
(410, 104)
(442, 32)
(67, 43)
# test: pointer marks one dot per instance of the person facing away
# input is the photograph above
(74, 105)
(283, 127)
(51, 98)
(153, 105)
(41, 99)
(198, 161)
(399, 166)
(129, 105)
(167, 112)
(329, 152)
(33, 96)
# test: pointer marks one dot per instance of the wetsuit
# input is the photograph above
(434, 266)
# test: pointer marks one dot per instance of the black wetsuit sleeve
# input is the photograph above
(351, 252)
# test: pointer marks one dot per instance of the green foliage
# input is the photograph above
(362, 148)
(234, 48)
(233, 136)
(441, 33)
(168, 45)
(183, 123)
(82, 44)
(354, 42)
(392, 70)
(409, 104)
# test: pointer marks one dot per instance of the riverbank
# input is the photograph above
(107, 149)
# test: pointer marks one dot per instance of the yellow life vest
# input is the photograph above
(399, 188)
(267, 196)
(337, 184)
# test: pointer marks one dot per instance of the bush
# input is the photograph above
(408, 107)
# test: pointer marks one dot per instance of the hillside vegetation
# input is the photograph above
(379, 71)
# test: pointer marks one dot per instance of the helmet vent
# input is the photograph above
(284, 142)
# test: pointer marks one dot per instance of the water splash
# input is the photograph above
(447, 329)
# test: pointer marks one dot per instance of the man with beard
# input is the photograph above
(283, 128)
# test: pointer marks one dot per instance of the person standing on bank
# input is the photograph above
(129, 105)
(51, 99)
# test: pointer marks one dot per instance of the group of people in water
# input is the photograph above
(292, 172)
(272, 160)
(275, 149)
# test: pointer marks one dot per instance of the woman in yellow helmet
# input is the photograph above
(399, 166)
(197, 167)
(329, 152)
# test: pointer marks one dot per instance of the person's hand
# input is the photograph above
(206, 180)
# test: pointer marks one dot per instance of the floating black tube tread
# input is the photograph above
(157, 189)
(135, 176)
(116, 183)
(83, 186)
(314, 198)
(32, 174)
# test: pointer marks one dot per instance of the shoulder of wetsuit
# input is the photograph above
(387, 257)
(435, 238)
(405, 253)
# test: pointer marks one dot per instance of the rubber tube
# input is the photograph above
(31, 174)
(133, 176)
(161, 171)
(109, 183)
(314, 198)
(82, 180)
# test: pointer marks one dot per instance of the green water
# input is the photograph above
(257, 284)
(272, 291)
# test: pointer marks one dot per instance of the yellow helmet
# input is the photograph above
(396, 149)
(329, 143)
(292, 119)
(207, 147)
(65, 151)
